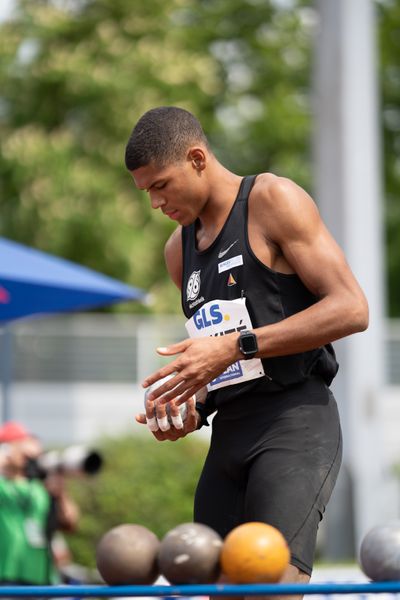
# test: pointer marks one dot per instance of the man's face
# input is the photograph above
(178, 189)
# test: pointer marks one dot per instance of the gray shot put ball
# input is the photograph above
(127, 555)
(380, 552)
(190, 553)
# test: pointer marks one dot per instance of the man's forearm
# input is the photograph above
(321, 323)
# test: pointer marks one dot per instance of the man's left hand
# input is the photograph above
(200, 361)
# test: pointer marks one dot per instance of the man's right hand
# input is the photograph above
(156, 412)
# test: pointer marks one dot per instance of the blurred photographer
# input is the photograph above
(32, 509)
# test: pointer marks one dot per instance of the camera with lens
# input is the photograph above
(72, 461)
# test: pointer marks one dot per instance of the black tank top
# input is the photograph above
(227, 270)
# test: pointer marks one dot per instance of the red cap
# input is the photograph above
(12, 431)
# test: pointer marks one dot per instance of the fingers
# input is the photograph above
(173, 348)
(175, 415)
(191, 403)
(173, 434)
(156, 416)
(191, 421)
(174, 394)
(150, 415)
(157, 421)
(168, 369)
(199, 361)
(169, 389)
(158, 375)
(162, 417)
(157, 380)
(174, 386)
(190, 424)
(184, 397)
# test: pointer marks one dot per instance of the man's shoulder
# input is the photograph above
(173, 256)
(269, 187)
(174, 240)
(281, 207)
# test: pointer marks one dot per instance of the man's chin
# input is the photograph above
(186, 221)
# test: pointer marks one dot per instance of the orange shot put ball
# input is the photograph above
(254, 553)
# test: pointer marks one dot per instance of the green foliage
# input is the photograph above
(76, 74)
(389, 43)
(260, 116)
(143, 481)
(74, 78)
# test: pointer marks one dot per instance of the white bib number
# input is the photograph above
(220, 317)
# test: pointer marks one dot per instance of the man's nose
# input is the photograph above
(156, 200)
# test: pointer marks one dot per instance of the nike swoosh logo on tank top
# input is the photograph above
(223, 252)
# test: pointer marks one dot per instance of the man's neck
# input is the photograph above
(223, 189)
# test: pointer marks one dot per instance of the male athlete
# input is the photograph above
(265, 289)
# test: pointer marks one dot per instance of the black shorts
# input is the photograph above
(273, 459)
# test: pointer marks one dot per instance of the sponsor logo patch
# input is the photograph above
(222, 253)
(227, 265)
(193, 286)
(232, 372)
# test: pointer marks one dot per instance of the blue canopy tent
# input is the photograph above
(33, 283)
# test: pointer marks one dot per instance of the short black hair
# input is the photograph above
(162, 135)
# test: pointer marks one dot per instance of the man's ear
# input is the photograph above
(198, 158)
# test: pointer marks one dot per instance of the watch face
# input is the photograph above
(248, 343)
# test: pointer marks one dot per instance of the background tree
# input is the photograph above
(75, 76)
(389, 44)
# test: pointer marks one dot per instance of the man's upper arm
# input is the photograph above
(307, 245)
(173, 257)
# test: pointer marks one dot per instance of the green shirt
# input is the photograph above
(24, 550)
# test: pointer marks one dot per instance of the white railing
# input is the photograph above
(114, 348)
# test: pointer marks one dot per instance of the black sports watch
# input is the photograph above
(248, 344)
